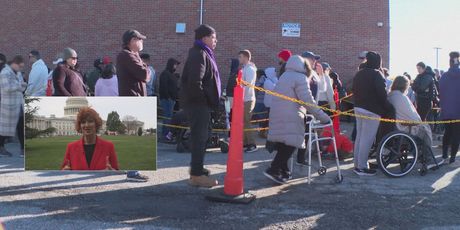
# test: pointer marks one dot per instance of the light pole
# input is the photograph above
(437, 56)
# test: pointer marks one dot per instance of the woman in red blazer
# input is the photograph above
(90, 152)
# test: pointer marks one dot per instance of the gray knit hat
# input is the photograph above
(69, 53)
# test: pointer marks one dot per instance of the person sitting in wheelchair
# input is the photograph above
(405, 110)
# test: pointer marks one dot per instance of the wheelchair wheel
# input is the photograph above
(223, 146)
(397, 154)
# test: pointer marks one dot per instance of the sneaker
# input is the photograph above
(5, 153)
(365, 172)
(276, 177)
(286, 175)
(434, 165)
(452, 160)
(202, 181)
(169, 136)
(136, 177)
(251, 148)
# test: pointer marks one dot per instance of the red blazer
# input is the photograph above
(75, 156)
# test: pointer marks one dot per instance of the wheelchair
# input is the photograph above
(399, 152)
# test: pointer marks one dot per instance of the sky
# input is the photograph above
(416, 27)
(143, 108)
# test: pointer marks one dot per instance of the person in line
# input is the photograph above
(287, 125)
(249, 75)
(93, 76)
(270, 84)
(423, 87)
(200, 94)
(67, 79)
(283, 57)
(12, 87)
(231, 83)
(405, 110)
(49, 85)
(107, 85)
(132, 75)
(38, 76)
(90, 152)
(168, 94)
(450, 107)
(370, 100)
(152, 85)
(260, 110)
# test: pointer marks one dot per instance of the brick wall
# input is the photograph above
(336, 30)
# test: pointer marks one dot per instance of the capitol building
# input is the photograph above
(65, 126)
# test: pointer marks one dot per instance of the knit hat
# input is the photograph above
(284, 54)
(373, 60)
(106, 60)
(69, 53)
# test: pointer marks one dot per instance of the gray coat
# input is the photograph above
(12, 87)
(287, 123)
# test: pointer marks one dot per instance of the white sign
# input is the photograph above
(290, 30)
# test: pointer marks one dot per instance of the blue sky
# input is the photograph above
(416, 27)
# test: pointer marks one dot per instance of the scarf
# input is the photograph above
(211, 56)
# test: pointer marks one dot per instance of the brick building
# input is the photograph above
(337, 30)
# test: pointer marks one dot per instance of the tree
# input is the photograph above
(113, 122)
(122, 129)
(139, 131)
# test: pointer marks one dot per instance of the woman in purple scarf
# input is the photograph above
(200, 94)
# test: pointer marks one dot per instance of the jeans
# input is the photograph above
(366, 130)
(168, 106)
(199, 118)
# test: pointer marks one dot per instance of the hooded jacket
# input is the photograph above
(369, 87)
(287, 123)
(168, 82)
(269, 84)
(423, 85)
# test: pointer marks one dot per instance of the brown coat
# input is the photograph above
(132, 73)
(68, 82)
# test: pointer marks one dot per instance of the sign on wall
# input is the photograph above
(290, 30)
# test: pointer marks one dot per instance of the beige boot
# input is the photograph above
(202, 181)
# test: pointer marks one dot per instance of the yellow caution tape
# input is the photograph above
(346, 113)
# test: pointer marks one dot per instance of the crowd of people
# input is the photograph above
(199, 90)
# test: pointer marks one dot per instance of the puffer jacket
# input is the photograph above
(286, 117)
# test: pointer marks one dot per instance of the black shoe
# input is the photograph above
(365, 172)
(251, 148)
(276, 177)
(286, 175)
(452, 160)
(206, 172)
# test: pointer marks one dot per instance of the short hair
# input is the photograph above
(246, 53)
(18, 59)
(454, 56)
(36, 54)
(422, 65)
(87, 113)
(400, 83)
(145, 56)
(204, 31)
(108, 71)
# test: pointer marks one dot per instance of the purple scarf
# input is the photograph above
(211, 56)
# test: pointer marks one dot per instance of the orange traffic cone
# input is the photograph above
(233, 183)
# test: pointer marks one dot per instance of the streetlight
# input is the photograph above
(437, 56)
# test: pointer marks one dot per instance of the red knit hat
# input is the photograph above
(285, 54)
(106, 60)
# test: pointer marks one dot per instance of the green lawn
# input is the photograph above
(133, 152)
